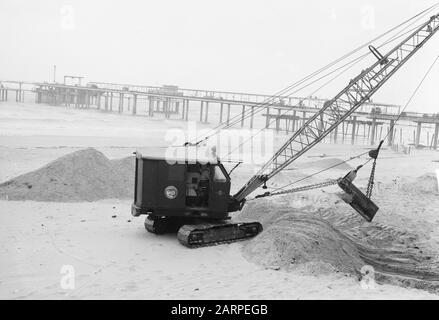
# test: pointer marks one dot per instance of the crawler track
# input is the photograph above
(162, 225)
(210, 234)
(203, 234)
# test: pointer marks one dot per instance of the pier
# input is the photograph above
(369, 124)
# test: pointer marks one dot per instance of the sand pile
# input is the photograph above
(327, 236)
(125, 168)
(84, 175)
(425, 184)
(302, 242)
(295, 236)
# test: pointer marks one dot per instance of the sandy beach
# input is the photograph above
(114, 257)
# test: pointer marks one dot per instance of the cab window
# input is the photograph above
(219, 175)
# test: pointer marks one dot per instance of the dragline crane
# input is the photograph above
(194, 198)
(338, 109)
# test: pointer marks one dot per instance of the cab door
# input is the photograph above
(220, 188)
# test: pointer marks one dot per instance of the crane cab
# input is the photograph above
(180, 188)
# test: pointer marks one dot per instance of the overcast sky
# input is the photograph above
(243, 45)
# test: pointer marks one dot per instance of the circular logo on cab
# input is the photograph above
(171, 192)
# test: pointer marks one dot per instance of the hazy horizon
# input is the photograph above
(247, 46)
